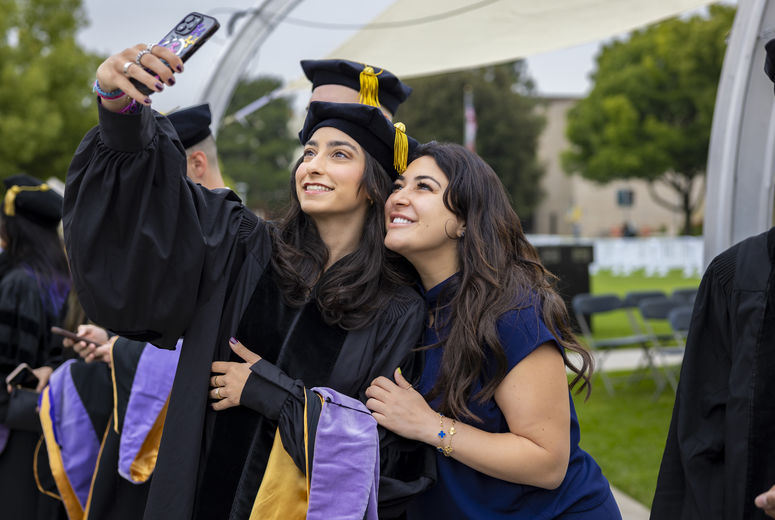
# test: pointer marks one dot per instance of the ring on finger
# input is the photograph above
(215, 381)
(149, 46)
(140, 55)
(126, 67)
(218, 393)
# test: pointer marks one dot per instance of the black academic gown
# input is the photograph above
(719, 453)
(25, 336)
(155, 257)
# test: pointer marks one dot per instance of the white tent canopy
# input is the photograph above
(414, 38)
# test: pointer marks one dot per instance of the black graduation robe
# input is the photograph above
(155, 257)
(25, 322)
(719, 453)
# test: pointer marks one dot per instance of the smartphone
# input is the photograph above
(75, 337)
(184, 40)
(22, 376)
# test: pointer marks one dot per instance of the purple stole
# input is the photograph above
(345, 468)
(74, 446)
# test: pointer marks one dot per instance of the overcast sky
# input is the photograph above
(556, 73)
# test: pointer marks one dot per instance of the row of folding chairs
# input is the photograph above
(660, 350)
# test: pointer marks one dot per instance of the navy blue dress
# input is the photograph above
(463, 492)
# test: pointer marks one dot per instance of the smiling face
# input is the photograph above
(328, 181)
(419, 226)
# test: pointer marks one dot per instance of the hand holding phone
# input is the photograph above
(183, 40)
(73, 336)
(22, 376)
(142, 69)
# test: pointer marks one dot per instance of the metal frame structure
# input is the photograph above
(741, 159)
(261, 21)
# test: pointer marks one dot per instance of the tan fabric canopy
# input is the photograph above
(420, 37)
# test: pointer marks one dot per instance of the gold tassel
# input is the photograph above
(13, 191)
(369, 92)
(400, 149)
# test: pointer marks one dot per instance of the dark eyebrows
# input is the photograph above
(427, 177)
(333, 144)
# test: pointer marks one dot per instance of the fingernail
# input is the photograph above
(159, 86)
(233, 340)
(147, 101)
(180, 68)
(399, 370)
(171, 81)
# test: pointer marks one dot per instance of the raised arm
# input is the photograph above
(146, 245)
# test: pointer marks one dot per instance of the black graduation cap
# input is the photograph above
(377, 86)
(192, 124)
(769, 60)
(32, 199)
(385, 141)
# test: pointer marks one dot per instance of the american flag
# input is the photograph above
(469, 124)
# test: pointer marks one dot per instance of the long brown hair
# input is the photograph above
(499, 271)
(351, 291)
(41, 252)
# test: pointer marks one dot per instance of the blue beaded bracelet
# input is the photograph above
(114, 94)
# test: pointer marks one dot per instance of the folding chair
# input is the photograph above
(680, 318)
(585, 306)
(653, 311)
(633, 298)
(685, 296)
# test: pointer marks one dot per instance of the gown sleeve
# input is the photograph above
(146, 245)
(406, 467)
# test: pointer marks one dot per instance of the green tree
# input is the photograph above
(46, 104)
(649, 113)
(508, 125)
(259, 151)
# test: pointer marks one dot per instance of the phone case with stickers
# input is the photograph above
(185, 39)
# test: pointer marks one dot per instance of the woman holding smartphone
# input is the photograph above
(315, 298)
(34, 284)
(493, 398)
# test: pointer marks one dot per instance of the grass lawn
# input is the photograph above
(626, 432)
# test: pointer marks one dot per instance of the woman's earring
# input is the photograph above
(462, 234)
(371, 202)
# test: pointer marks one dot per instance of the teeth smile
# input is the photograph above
(316, 187)
(401, 220)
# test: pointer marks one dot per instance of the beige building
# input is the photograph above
(571, 201)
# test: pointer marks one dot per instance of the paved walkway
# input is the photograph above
(631, 509)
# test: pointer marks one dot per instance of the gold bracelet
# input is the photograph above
(448, 448)
(441, 433)
(445, 450)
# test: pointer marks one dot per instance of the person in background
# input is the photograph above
(345, 81)
(493, 398)
(193, 128)
(34, 284)
(719, 460)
